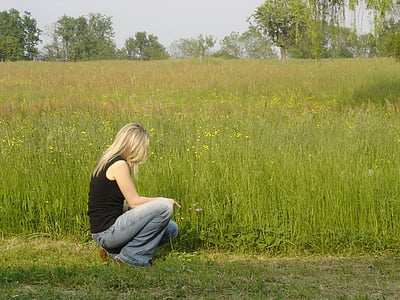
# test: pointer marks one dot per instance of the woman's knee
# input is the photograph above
(166, 206)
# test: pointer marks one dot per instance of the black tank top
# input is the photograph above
(105, 200)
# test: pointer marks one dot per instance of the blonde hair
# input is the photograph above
(131, 143)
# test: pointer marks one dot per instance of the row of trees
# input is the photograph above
(299, 28)
(92, 37)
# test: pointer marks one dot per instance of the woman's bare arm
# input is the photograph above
(119, 171)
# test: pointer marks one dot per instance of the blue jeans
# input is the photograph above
(136, 234)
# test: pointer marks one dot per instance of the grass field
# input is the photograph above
(278, 159)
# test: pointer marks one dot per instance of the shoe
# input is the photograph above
(104, 255)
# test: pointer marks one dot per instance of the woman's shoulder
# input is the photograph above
(116, 161)
(117, 167)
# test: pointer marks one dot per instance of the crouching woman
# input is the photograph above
(127, 235)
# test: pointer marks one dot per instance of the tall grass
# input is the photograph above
(262, 156)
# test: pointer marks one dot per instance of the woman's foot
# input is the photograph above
(104, 255)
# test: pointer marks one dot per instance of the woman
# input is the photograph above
(132, 236)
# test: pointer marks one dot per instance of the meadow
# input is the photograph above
(296, 158)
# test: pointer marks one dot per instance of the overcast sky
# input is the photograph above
(169, 20)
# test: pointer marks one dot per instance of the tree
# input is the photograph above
(73, 35)
(366, 46)
(246, 45)
(389, 34)
(341, 42)
(193, 47)
(100, 38)
(144, 47)
(281, 21)
(231, 47)
(255, 46)
(389, 39)
(9, 48)
(304, 49)
(19, 36)
(82, 38)
(130, 50)
(31, 36)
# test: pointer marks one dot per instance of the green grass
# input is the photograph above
(40, 268)
(282, 159)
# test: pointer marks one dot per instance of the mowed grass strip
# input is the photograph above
(42, 268)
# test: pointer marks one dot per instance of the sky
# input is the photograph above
(169, 20)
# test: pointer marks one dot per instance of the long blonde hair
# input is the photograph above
(131, 143)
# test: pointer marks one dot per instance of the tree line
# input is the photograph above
(298, 29)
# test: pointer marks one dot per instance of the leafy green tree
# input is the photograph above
(388, 38)
(366, 46)
(100, 38)
(69, 40)
(82, 38)
(19, 36)
(341, 42)
(9, 48)
(144, 47)
(31, 36)
(193, 47)
(256, 46)
(73, 35)
(231, 47)
(130, 51)
(283, 22)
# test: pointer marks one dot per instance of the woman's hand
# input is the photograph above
(173, 202)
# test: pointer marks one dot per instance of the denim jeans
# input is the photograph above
(136, 234)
